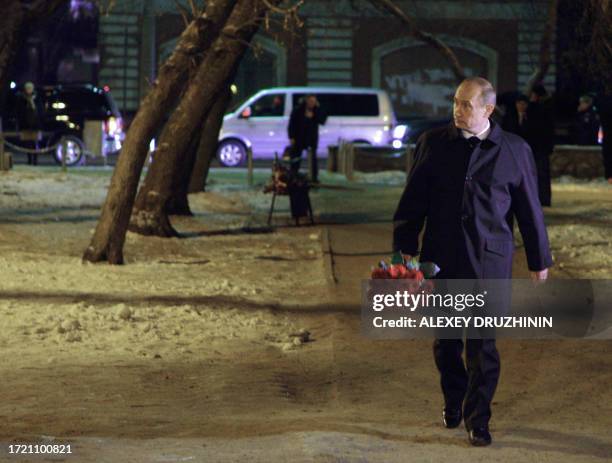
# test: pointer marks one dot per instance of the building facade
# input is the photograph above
(345, 43)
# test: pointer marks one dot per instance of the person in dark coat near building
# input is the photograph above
(540, 135)
(605, 112)
(29, 119)
(586, 125)
(515, 119)
(468, 180)
(304, 132)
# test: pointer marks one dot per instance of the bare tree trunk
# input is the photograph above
(208, 144)
(150, 215)
(109, 237)
(178, 203)
(200, 154)
(390, 7)
(545, 47)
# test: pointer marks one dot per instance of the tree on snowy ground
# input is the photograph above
(192, 176)
(16, 16)
(389, 6)
(166, 175)
(109, 236)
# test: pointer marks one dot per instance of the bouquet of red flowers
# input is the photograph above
(401, 269)
(417, 273)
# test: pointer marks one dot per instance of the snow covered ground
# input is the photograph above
(206, 336)
(174, 297)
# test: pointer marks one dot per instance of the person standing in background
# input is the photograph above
(540, 135)
(304, 133)
(604, 104)
(515, 120)
(586, 125)
(29, 119)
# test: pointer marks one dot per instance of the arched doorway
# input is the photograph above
(264, 65)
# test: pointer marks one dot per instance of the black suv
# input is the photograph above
(66, 109)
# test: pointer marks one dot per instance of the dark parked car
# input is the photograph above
(69, 112)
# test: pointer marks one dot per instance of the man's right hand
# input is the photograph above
(292, 141)
(406, 257)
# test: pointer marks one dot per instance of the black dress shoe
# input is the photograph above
(451, 417)
(480, 437)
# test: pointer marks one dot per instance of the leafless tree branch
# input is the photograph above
(389, 6)
(183, 11)
(545, 49)
(42, 8)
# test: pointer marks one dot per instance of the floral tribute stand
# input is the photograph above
(295, 185)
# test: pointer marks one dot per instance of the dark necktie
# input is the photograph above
(473, 142)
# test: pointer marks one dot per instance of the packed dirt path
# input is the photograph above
(204, 371)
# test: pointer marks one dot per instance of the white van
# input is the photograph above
(363, 115)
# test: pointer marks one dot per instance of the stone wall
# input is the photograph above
(577, 161)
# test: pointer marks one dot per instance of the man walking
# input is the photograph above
(468, 180)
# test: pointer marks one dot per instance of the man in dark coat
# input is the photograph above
(515, 119)
(605, 110)
(29, 119)
(468, 180)
(586, 125)
(304, 132)
(540, 135)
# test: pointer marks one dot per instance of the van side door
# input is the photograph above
(265, 124)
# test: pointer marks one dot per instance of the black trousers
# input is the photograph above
(296, 158)
(32, 157)
(471, 388)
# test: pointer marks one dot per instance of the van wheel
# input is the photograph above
(231, 153)
(70, 146)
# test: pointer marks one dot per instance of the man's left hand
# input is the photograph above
(540, 276)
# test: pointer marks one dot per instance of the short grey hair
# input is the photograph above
(488, 95)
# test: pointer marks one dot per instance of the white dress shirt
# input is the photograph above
(482, 135)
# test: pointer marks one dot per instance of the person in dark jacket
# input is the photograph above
(515, 119)
(539, 133)
(586, 125)
(468, 179)
(304, 132)
(605, 112)
(29, 119)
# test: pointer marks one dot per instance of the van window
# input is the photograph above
(272, 105)
(344, 104)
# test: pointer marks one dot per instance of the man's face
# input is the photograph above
(29, 89)
(469, 111)
(583, 106)
(521, 106)
(311, 102)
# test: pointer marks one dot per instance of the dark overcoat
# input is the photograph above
(468, 204)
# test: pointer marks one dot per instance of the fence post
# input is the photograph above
(64, 148)
(250, 166)
(350, 161)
